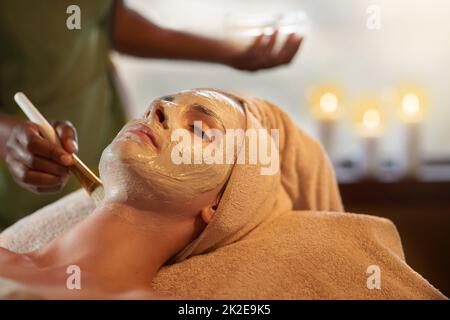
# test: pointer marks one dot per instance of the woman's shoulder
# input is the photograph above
(8, 257)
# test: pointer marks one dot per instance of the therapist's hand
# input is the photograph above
(37, 164)
(260, 55)
(127, 37)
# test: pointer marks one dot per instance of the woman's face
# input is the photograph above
(140, 165)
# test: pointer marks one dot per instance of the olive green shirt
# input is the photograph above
(65, 73)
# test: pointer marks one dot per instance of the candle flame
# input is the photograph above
(329, 102)
(371, 119)
(410, 104)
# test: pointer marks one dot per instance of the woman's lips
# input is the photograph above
(144, 132)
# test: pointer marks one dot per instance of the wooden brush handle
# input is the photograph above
(84, 175)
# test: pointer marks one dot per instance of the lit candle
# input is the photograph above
(326, 108)
(371, 129)
(329, 104)
(412, 114)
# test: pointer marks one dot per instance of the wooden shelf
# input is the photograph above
(409, 191)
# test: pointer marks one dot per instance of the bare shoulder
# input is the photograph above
(9, 262)
(7, 255)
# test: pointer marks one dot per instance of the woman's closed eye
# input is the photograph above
(199, 132)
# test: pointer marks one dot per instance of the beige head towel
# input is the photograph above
(252, 198)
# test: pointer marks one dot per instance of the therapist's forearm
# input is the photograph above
(134, 35)
(7, 123)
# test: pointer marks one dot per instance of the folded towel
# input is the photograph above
(277, 236)
(34, 231)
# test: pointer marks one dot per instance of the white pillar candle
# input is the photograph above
(412, 112)
(371, 130)
(371, 156)
(413, 148)
(328, 105)
(327, 129)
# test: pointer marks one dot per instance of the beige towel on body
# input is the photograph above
(281, 236)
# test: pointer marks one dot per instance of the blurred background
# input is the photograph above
(371, 82)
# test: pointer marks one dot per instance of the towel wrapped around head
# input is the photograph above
(281, 236)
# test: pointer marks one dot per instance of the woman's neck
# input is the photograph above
(119, 243)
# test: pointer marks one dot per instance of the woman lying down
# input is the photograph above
(189, 214)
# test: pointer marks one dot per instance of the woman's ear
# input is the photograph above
(208, 213)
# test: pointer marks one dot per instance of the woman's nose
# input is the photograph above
(160, 116)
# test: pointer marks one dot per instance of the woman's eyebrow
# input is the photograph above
(208, 112)
(167, 98)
